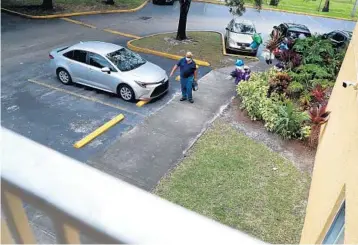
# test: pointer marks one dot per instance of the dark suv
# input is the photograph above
(291, 30)
(339, 38)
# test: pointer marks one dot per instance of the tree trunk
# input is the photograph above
(109, 2)
(326, 6)
(184, 9)
(274, 2)
(354, 8)
(47, 4)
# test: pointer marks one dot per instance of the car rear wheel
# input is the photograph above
(64, 76)
(126, 92)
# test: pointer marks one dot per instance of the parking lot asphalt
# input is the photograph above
(35, 104)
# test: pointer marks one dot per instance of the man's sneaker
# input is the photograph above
(191, 101)
(182, 99)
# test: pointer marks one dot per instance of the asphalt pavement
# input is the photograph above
(53, 114)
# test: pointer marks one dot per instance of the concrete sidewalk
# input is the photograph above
(146, 153)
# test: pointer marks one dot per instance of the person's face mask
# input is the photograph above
(188, 59)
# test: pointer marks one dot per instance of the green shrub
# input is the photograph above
(253, 94)
(290, 121)
(278, 113)
(295, 87)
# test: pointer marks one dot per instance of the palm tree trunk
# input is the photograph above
(184, 9)
(326, 6)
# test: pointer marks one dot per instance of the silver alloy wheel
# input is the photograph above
(126, 93)
(64, 77)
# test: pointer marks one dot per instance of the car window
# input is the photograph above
(283, 28)
(331, 34)
(99, 61)
(243, 28)
(80, 56)
(338, 37)
(69, 54)
(126, 60)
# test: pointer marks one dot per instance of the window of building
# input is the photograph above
(335, 234)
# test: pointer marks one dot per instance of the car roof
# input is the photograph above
(98, 47)
(346, 33)
(242, 21)
(294, 26)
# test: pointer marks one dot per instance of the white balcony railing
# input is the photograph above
(80, 199)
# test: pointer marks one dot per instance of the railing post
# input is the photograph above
(17, 218)
(6, 237)
(65, 234)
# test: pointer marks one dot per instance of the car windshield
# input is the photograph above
(243, 28)
(126, 60)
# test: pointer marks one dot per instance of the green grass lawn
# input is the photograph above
(67, 6)
(233, 179)
(337, 8)
(205, 46)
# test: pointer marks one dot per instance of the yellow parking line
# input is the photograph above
(142, 103)
(121, 33)
(85, 97)
(79, 23)
(98, 131)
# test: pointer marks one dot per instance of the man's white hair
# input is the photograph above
(189, 54)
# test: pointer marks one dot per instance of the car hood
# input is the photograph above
(241, 38)
(148, 73)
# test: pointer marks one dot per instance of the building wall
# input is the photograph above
(335, 174)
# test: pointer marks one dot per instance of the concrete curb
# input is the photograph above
(279, 10)
(176, 57)
(54, 16)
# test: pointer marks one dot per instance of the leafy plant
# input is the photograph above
(295, 88)
(253, 93)
(290, 58)
(278, 83)
(290, 121)
(319, 93)
(318, 116)
(305, 99)
(275, 40)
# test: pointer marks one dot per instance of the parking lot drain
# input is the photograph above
(142, 103)
(98, 131)
(145, 18)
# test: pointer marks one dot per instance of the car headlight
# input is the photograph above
(141, 84)
(232, 41)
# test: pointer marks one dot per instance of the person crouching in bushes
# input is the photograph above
(241, 72)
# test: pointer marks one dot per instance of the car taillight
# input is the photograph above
(50, 56)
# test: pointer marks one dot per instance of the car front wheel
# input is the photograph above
(126, 92)
(64, 76)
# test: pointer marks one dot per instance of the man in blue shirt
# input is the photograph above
(188, 73)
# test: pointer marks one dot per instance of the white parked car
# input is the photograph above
(238, 36)
(111, 68)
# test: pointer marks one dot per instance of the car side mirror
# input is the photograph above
(227, 28)
(106, 69)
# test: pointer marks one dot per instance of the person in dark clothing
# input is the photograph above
(188, 73)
